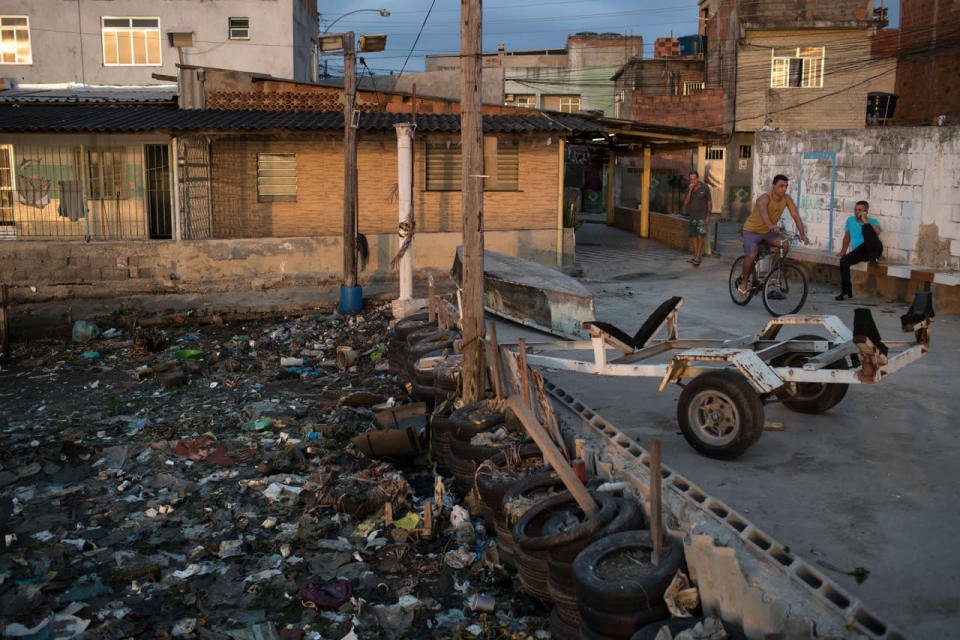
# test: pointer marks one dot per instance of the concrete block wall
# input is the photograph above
(40, 271)
(909, 175)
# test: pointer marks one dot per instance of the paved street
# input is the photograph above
(871, 484)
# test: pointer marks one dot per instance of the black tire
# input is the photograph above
(630, 594)
(736, 277)
(720, 414)
(792, 286)
(586, 633)
(423, 392)
(478, 453)
(675, 625)
(406, 326)
(447, 372)
(544, 482)
(463, 472)
(532, 572)
(492, 489)
(564, 600)
(419, 334)
(810, 397)
(623, 624)
(560, 629)
(471, 419)
(535, 539)
(436, 342)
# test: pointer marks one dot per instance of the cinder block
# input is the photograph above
(912, 211)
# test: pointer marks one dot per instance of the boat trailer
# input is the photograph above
(727, 382)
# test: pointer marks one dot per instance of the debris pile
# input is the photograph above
(201, 479)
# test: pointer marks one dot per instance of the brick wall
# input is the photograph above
(668, 229)
(909, 175)
(666, 48)
(319, 206)
(700, 110)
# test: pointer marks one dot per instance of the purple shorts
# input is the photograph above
(752, 240)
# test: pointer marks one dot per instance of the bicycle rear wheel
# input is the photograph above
(784, 290)
(736, 277)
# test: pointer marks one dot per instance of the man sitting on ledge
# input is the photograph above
(861, 236)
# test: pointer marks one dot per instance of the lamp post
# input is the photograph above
(382, 12)
(351, 297)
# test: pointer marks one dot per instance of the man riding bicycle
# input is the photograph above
(761, 228)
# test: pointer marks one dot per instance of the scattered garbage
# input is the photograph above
(232, 479)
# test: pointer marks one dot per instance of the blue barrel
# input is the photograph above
(351, 299)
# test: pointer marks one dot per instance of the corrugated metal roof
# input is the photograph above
(84, 95)
(33, 118)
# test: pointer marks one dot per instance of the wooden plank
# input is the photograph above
(349, 164)
(656, 505)
(431, 300)
(546, 412)
(553, 456)
(495, 362)
(524, 381)
(471, 185)
(4, 324)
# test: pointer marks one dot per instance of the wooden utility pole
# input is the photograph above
(349, 164)
(471, 145)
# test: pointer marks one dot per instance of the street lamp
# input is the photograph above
(382, 12)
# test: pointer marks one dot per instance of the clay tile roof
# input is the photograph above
(75, 118)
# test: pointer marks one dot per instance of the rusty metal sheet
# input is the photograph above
(761, 376)
(833, 324)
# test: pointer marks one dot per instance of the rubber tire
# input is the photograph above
(818, 397)
(739, 396)
(801, 278)
(621, 625)
(492, 413)
(564, 600)
(532, 540)
(675, 625)
(478, 453)
(631, 595)
(492, 492)
(406, 326)
(542, 481)
(436, 342)
(736, 275)
(560, 629)
(425, 331)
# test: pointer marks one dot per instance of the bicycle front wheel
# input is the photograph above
(736, 277)
(784, 290)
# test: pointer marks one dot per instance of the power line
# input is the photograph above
(425, 18)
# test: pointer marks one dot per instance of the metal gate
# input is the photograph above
(193, 164)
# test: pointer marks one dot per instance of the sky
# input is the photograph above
(518, 24)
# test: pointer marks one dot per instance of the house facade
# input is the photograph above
(128, 42)
(777, 65)
(108, 199)
(570, 79)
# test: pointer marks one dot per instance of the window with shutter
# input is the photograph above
(501, 160)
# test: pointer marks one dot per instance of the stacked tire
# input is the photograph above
(397, 350)
(619, 590)
(495, 478)
(565, 529)
(466, 422)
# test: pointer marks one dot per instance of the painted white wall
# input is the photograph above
(67, 46)
(909, 175)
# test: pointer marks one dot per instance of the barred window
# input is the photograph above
(131, 41)
(15, 40)
(715, 153)
(501, 163)
(105, 170)
(276, 177)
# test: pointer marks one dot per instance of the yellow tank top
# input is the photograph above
(774, 209)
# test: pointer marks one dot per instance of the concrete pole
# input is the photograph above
(405, 196)
(349, 165)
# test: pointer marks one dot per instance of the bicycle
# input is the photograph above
(783, 289)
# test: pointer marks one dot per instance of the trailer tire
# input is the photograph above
(720, 414)
(811, 397)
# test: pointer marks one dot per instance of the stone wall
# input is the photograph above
(909, 175)
(39, 271)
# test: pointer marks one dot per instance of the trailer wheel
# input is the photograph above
(720, 414)
(810, 397)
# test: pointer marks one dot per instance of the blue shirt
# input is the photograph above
(855, 229)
